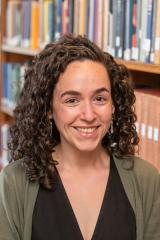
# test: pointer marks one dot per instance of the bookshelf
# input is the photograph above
(71, 17)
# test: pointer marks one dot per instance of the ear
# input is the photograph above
(50, 115)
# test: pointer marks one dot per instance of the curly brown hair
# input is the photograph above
(31, 138)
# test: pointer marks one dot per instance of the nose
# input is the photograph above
(88, 112)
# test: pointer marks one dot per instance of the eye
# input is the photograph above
(100, 99)
(72, 101)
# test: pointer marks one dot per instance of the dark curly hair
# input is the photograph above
(32, 136)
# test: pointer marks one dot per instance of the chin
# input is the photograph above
(86, 148)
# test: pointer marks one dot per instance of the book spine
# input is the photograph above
(58, 19)
(149, 31)
(157, 35)
(51, 30)
(143, 30)
(105, 25)
(26, 22)
(35, 25)
(71, 16)
(91, 20)
(65, 16)
(134, 50)
(128, 29)
(152, 51)
(45, 26)
(110, 47)
(82, 17)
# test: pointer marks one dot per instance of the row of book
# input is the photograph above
(13, 80)
(127, 29)
(148, 124)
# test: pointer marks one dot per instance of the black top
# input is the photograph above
(53, 216)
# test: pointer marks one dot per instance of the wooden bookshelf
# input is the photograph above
(141, 67)
(146, 74)
(19, 50)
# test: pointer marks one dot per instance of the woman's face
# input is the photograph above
(82, 105)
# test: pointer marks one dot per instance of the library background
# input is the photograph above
(129, 30)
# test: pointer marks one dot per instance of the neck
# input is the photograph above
(72, 158)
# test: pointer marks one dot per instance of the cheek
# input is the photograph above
(106, 115)
(64, 116)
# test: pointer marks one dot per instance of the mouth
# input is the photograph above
(87, 131)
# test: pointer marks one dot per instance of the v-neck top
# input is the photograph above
(54, 218)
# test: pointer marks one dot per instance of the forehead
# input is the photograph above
(82, 75)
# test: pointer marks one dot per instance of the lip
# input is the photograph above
(89, 131)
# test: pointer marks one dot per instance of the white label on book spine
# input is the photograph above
(152, 57)
(150, 130)
(118, 41)
(127, 54)
(143, 129)
(146, 44)
(155, 134)
(157, 43)
(120, 53)
(135, 53)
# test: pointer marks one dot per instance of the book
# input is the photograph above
(91, 14)
(26, 22)
(105, 25)
(58, 19)
(148, 127)
(82, 17)
(128, 29)
(13, 23)
(35, 41)
(143, 30)
(148, 38)
(157, 35)
(134, 49)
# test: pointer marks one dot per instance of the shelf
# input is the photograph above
(19, 50)
(131, 65)
(6, 110)
(140, 67)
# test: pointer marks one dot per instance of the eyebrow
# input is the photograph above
(76, 93)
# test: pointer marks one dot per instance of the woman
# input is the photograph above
(73, 173)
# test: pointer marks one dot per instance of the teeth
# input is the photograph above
(86, 130)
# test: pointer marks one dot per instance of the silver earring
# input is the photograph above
(51, 125)
(111, 127)
(113, 144)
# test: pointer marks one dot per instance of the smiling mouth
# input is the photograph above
(86, 129)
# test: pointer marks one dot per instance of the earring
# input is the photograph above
(51, 126)
(111, 134)
(111, 127)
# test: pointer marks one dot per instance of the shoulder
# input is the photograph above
(15, 187)
(136, 165)
(14, 171)
(141, 173)
(13, 179)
